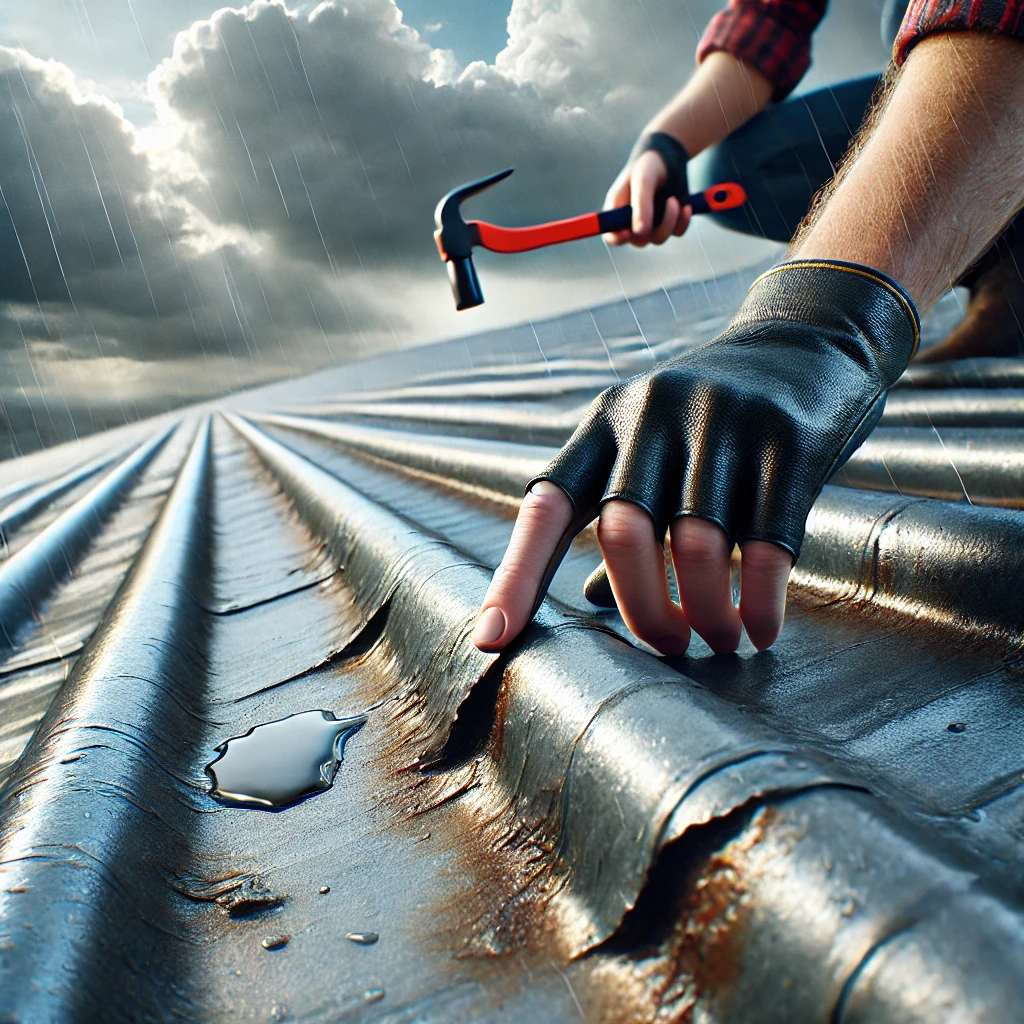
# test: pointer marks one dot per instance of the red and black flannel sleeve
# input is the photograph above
(928, 17)
(773, 36)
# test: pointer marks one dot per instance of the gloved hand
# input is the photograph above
(741, 432)
(652, 182)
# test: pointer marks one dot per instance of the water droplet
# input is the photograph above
(279, 763)
(956, 727)
(275, 941)
(88, 815)
(279, 1012)
(324, 890)
(363, 938)
(848, 908)
(373, 995)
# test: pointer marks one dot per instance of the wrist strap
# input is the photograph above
(674, 155)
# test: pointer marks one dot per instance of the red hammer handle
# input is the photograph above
(725, 196)
(499, 239)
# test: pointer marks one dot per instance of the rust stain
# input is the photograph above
(502, 906)
(688, 972)
(496, 918)
(510, 864)
(705, 950)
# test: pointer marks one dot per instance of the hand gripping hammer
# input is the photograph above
(456, 236)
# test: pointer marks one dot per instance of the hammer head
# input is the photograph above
(455, 240)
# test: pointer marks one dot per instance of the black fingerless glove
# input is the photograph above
(745, 430)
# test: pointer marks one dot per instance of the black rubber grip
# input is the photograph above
(618, 219)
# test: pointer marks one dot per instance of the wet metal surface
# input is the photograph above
(966, 373)
(829, 830)
(28, 577)
(975, 465)
(955, 407)
(27, 506)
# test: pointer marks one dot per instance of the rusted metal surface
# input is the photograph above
(825, 831)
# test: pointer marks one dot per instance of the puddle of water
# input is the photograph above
(277, 764)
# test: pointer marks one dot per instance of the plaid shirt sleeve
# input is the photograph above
(773, 36)
(928, 17)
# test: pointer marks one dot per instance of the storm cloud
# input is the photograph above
(275, 213)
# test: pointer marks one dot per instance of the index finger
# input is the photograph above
(618, 195)
(544, 517)
(645, 177)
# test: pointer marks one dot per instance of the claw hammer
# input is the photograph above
(456, 236)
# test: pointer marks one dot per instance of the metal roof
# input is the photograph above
(828, 830)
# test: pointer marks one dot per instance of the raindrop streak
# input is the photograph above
(277, 764)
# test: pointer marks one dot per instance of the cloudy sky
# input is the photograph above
(196, 199)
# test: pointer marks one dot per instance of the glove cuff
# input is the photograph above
(825, 292)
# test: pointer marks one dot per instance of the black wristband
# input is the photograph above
(675, 157)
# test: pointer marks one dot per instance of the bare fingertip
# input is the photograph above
(671, 646)
(762, 638)
(724, 642)
(490, 627)
(543, 488)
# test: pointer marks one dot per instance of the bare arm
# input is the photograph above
(941, 174)
(722, 94)
(934, 180)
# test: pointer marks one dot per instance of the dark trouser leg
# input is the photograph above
(784, 155)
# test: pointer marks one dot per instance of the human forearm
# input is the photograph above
(940, 174)
(722, 94)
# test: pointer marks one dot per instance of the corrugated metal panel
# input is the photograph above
(829, 830)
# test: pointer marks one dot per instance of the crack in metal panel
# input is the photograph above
(433, 592)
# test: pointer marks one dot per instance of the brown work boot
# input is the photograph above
(994, 322)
